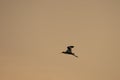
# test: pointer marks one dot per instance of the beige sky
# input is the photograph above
(34, 32)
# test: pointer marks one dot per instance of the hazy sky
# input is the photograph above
(33, 33)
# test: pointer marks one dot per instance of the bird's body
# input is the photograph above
(69, 51)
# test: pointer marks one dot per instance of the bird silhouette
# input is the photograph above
(69, 51)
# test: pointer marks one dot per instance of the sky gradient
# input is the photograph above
(33, 33)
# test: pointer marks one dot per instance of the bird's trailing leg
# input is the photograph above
(75, 55)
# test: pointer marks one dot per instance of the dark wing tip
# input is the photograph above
(71, 46)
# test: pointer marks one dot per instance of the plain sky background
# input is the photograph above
(33, 33)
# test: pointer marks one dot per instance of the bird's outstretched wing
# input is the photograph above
(69, 48)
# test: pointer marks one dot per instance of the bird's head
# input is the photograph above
(63, 52)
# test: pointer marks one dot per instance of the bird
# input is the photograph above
(69, 51)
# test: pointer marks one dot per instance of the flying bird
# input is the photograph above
(69, 51)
